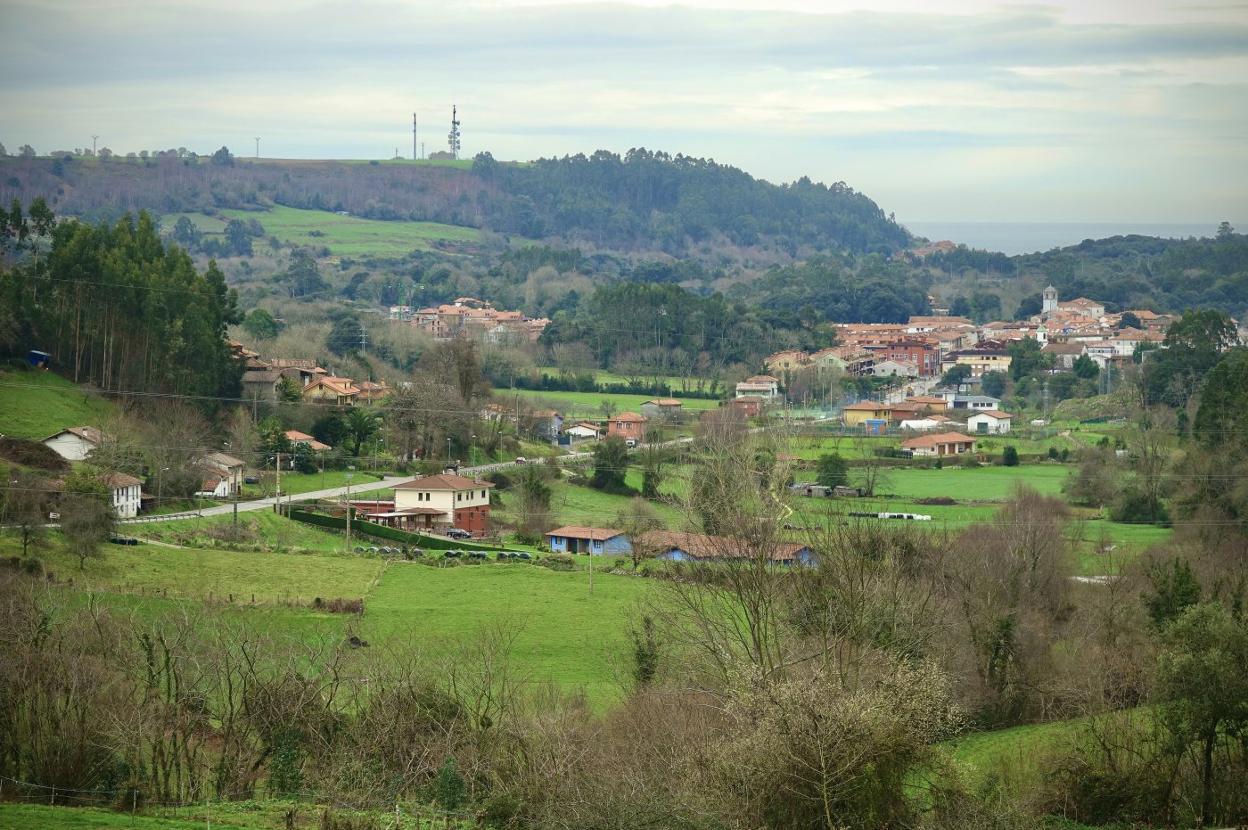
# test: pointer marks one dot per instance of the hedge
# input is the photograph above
(382, 532)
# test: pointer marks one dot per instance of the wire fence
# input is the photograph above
(391, 813)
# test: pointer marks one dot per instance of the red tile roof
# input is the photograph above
(444, 481)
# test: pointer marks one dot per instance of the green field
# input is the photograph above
(203, 574)
(987, 483)
(342, 235)
(37, 404)
(562, 633)
(575, 405)
(296, 483)
(257, 528)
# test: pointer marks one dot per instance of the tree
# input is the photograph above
(330, 429)
(994, 383)
(533, 495)
(238, 238)
(23, 504)
(1129, 321)
(1225, 231)
(3, 152)
(345, 336)
(86, 516)
(303, 275)
(260, 324)
(223, 157)
(1193, 345)
(1009, 456)
(289, 390)
(1202, 686)
(1175, 589)
(362, 424)
(187, 234)
(26, 151)
(610, 465)
(1085, 367)
(833, 471)
(957, 374)
(1026, 357)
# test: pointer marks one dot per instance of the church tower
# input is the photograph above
(1050, 301)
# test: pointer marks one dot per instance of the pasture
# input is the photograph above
(36, 404)
(342, 235)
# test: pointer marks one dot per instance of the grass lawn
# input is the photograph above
(575, 505)
(343, 235)
(258, 527)
(562, 633)
(193, 573)
(38, 404)
(27, 816)
(574, 405)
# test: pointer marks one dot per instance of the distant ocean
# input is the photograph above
(1028, 237)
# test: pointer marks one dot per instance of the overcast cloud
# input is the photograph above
(1093, 111)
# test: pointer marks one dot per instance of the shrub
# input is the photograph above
(1009, 457)
(558, 561)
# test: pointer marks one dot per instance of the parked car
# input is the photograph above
(630, 442)
(458, 533)
(520, 459)
(251, 479)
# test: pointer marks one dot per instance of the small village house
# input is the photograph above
(223, 475)
(943, 444)
(627, 425)
(594, 541)
(856, 414)
(547, 424)
(668, 409)
(763, 386)
(125, 494)
(441, 502)
(989, 422)
(583, 431)
(328, 389)
(74, 443)
(750, 406)
(678, 546)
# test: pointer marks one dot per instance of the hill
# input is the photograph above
(642, 200)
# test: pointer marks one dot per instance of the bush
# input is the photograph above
(31, 454)
(1134, 507)
(558, 561)
(1009, 457)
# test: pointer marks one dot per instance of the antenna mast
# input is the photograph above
(415, 149)
(453, 137)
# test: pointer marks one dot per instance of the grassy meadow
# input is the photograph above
(36, 404)
(574, 405)
(342, 235)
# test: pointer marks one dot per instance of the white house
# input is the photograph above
(946, 443)
(125, 494)
(74, 443)
(989, 422)
(763, 386)
(583, 431)
(923, 424)
(443, 501)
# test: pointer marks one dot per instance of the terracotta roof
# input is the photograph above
(925, 399)
(443, 481)
(296, 437)
(89, 434)
(663, 402)
(762, 379)
(629, 416)
(223, 459)
(866, 406)
(115, 480)
(992, 413)
(936, 440)
(715, 547)
(596, 534)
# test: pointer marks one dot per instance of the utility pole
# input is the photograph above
(422, 149)
(94, 138)
(415, 146)
(257, 146)
(279, 482)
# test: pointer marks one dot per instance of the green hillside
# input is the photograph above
(38, 404)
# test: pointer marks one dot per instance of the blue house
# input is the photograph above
(595, 541)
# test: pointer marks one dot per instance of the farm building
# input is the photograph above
(667, 408)
(595, 541)
(989, 422)
(124, 494)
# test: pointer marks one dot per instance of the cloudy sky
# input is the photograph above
(1100, 110)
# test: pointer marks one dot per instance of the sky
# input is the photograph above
(1092, 111)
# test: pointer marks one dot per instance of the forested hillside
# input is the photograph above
(642, 200)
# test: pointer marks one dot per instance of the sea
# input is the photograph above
(1029, 237)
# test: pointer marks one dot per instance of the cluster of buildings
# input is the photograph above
(222, 474)
(671, 545)
(470, 317)
(930, 345)
(550, 424)
(263, 379)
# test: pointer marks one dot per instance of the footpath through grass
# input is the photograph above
(37, 404)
